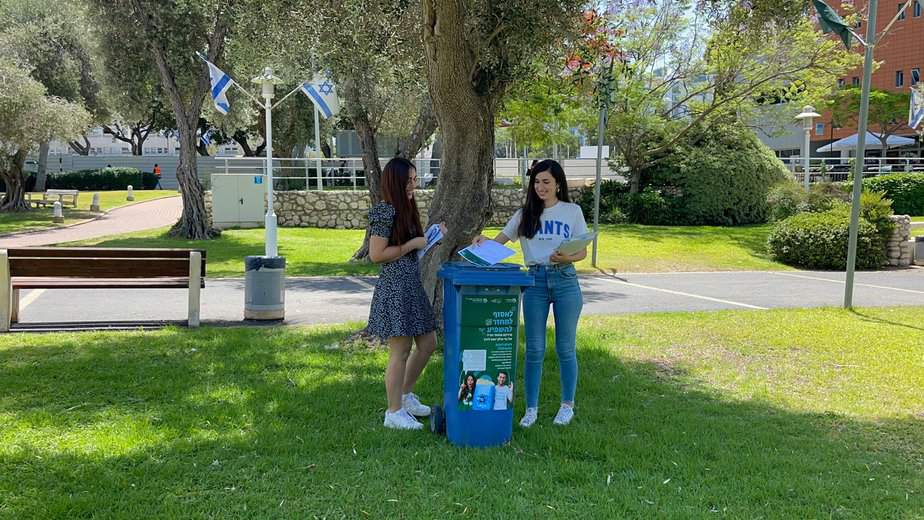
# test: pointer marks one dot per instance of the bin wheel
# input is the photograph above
(437, 421)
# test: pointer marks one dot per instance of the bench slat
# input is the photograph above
(99, 267)
(101, 252)
(101, 283)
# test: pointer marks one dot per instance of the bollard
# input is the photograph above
(131, 193)
(58, 215)
(94, 205)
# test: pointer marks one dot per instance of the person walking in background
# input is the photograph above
(400, 310)
(157, 186)
(547, 219)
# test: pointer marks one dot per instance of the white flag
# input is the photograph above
(916, 110)
(323, 94)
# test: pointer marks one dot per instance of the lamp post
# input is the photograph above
(268, 83)
(807, 116)
(264, 286)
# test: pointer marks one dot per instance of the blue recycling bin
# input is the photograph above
(481, 315)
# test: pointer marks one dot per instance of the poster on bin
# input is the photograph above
(488, 343)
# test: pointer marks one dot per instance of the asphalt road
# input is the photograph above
(344, 299)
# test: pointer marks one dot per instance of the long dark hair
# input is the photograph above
(395, 176)
(532, 209)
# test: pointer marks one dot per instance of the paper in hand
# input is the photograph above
(434, 234)
(487, 253)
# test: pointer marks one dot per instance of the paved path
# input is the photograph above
(341, 299)
(137, 217)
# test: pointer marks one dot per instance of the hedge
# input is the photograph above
(104, 179)
(906, 190)
(819, 241)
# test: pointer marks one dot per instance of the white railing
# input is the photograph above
(833, 169)
(348, 173)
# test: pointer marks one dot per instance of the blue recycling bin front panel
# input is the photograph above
(481, 312)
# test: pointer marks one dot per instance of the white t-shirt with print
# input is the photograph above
(557, 224)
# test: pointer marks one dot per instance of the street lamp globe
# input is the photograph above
(807, 116)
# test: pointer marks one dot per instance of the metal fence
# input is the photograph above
(300, 173)
(832, 169)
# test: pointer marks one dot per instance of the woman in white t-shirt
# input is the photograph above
(547, 219)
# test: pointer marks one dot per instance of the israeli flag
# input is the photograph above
(323, 94)
(205, 138)
(221, 82)
(916, 110)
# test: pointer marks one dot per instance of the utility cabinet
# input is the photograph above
(238, 200)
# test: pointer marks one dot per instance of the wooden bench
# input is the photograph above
(98, 268)
(65, 197)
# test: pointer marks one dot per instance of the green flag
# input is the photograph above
(830, 22)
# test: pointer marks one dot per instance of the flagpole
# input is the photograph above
(293, 91)
(861, 152)
(317, 144)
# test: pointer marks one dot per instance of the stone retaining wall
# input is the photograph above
(900, 248)
(349, 209)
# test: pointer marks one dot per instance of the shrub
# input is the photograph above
(819, 241)
(103, 179)
(788, 198)
(649, 207)
(721, 176)
(905, 189)
(785, 200)
(613, 209)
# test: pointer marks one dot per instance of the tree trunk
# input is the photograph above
(42, 172)
(426, 124)
(194, 223)
(14, 198)
(465, 110)
(373, 172)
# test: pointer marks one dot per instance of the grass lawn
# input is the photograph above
(41, 218)
(739, 414)
(624, 248)
(917, 231)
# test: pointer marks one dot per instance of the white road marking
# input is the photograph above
(29, 298)
(855, 283)
(679, 293)
(360, 282)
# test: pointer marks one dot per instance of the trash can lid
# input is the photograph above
(464, 273)
(255, 263)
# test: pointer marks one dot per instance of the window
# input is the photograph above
(915, 76)
(855, 82)
(917, 8)
(841, 83)
(819, 129)
(899, 78)
(901, 16)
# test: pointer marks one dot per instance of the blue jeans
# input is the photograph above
(556, 285)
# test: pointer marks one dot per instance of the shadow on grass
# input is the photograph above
(275, 423)
(877, 319)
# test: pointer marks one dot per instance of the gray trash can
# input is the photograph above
(265, 288)
(918, 253)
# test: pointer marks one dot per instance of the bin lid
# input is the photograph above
(464, 273)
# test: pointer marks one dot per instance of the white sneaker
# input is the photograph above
(401, 420)
(529, 418)
(412, 404)
(564, 415)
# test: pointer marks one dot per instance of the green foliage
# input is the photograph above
(888, 111)
(103, 179)
(819, 241)
(788, 198)
(721, 176)
(905, 189)
(612, 201)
